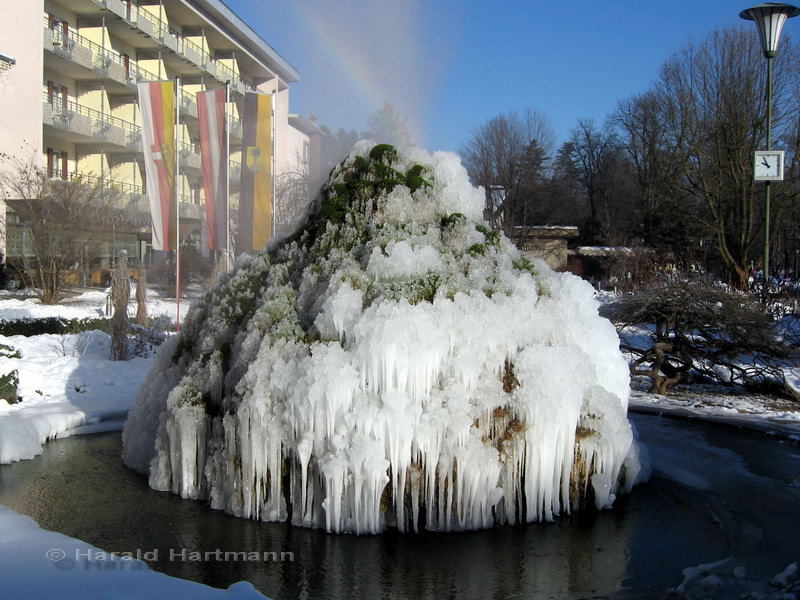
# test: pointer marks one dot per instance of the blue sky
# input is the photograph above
(450, 66)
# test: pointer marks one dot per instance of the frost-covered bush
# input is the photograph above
(147, 339)
(394, 363)
(699, 327)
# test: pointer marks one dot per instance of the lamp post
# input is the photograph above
(769, 19)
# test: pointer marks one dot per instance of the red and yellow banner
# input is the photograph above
(255, 191)
(211, 107)
(157, 105)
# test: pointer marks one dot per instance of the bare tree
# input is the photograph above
(509, 154)
(605, 176)
(692, 138)
(69, 222)
(293, 196)
(653, 134)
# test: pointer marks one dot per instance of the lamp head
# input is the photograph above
(770, 19)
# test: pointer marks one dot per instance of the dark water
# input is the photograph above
(79, 487)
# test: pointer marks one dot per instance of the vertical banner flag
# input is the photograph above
(255, 190)
(214, 153)
(157, 105)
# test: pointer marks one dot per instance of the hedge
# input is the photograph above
(57, 325)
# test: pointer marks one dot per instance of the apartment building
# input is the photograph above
(70, 96)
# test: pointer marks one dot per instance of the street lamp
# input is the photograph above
(769, 19)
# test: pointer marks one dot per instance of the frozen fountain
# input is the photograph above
(394, 364)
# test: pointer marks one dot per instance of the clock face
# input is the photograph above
(768, 165)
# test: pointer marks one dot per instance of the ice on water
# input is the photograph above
(398, 366)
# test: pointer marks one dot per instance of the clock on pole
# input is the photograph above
(768, 165)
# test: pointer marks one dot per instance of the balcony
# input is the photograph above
(133, 140)
(188, 104)
(105, 65)
(137, 74)
(92, 56)
(81, 120)
(189, 156)
(158, 29)
(234, 171)
(133, 196)
(68, 45)
(67, 119)
(188, 209)
(193, 52)
(236, 129)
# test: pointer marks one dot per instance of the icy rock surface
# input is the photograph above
(394, 364)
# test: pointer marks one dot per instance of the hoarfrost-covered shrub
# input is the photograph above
(393, 364)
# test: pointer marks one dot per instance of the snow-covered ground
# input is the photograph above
(89, 304)
(37, 564)
(65, 382)
(772, 415)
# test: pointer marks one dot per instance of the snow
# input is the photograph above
(401, 359)
(719, 581)
(43, 564)
(89, 304)
(65, 381)
(777, 417)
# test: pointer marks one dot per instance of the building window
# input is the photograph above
(57, 95)
(60, 31)
(57, 164)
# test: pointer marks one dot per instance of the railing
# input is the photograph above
(202, 55)
(154, 20)
(161, 28)
(97, 116)
(71, 38)
(110, 184)
(133, 191)
(192, 147)
(102, 56)
(188, 98)
(137, 73)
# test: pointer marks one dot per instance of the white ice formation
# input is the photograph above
(394, 364)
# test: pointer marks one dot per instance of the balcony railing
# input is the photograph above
(92, 55)
(101, 125)
(160, 30)
(134, 195)
(137, 74)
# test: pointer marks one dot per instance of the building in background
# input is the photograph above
(71, 97)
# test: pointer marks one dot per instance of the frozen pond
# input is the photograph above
(715, 493)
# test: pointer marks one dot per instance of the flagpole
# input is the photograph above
(177, 207)
(272, 196)
(228, 248)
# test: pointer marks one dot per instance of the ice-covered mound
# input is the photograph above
(396, 363)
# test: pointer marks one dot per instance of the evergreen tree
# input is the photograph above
(386, 126)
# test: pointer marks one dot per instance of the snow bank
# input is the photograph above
(89, 304)
(43, 564)
(395, 364)
(65, 381)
